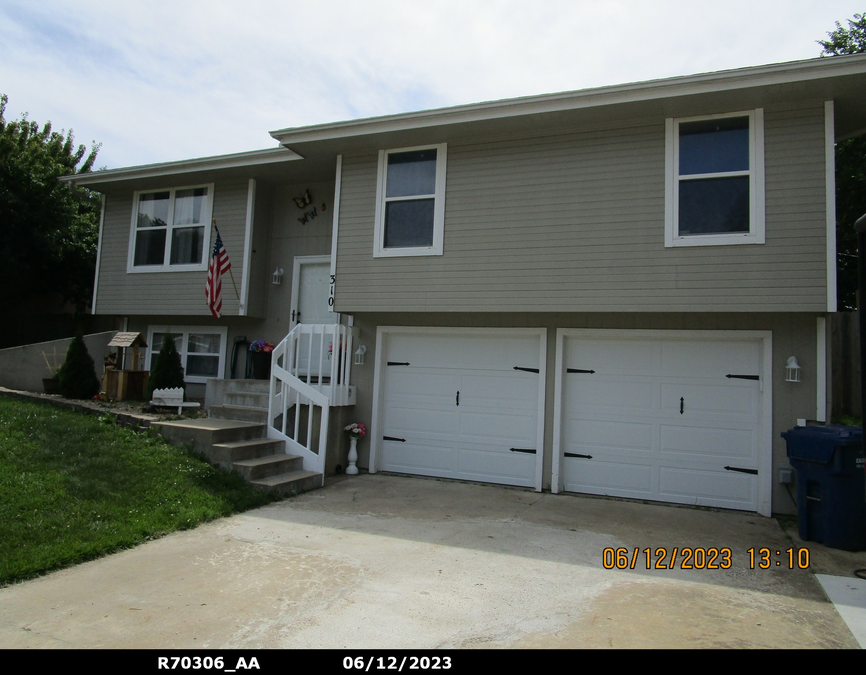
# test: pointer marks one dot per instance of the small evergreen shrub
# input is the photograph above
(167, 372)
(77, 376)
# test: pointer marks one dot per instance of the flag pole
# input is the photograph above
(231, 274)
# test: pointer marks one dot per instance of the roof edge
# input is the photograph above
(724, 80)
(239, 159)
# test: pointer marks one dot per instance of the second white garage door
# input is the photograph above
(667, 418)
(465, 405)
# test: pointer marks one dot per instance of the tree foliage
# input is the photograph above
(167, 372)
(850, 170)
(48, 229)
(77, 376)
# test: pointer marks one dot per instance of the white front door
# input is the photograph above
(310, 294)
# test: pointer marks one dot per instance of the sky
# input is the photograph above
(161, 80)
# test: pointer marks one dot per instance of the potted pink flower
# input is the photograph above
(355, 430)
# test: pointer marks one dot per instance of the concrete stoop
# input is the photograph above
(234, 437)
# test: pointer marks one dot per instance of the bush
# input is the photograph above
(77, 376)
(167, 372)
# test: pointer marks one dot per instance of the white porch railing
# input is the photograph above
(310, 369)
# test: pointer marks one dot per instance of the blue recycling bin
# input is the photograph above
(831, 487)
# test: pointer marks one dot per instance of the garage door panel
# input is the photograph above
(701, 443)
(591, 393)
(495, 465)
(494, 391)
(641, 359)
(435, 458)
(723, 489)
(708, 358)
(581, 435)
(470, 437)
(627, 417)
(715, 398)
(624, 479)
(499, 353)
(502, 429)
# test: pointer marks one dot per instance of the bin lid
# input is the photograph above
(817, 444)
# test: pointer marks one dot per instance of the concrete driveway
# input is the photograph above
(396, 562)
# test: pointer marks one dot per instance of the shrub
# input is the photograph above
(167, 372)
(77, 376)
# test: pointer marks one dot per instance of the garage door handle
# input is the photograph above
(578, 370)
(530, 451)
(682, 401)
(458, 398)
(574, 454)
(392, 438)
(526, 370)
(754, 472)
(398, 363)
(743, 377)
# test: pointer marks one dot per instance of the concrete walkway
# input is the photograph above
(396, 562)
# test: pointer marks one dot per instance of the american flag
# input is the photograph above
(219, 265)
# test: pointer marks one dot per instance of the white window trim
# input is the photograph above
(184, 331)
(207, 215)
(755, 235)
(379, 250)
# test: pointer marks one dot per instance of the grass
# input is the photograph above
(75, 487)
(850, 420)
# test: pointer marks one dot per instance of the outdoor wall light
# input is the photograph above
(359, 355)
(278, 276)
(792, 370)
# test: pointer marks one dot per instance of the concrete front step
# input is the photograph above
(243, 447)
(237, 451)
(290, 483)
(247, 399)
(266, 467)
(239, 413)
(248, 386)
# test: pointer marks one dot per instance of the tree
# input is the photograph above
(77, 376)
(850, 171)
(167, 372)
(48, 229)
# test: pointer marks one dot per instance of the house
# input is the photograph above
(596, 291)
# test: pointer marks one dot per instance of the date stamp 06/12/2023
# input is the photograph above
(700, 558)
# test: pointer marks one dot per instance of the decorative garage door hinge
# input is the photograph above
(528, 370)
(743, 377)
(578, 370)
(398, 363)
(574, 454)
(530, 451)
(393, 438)
(754, 472)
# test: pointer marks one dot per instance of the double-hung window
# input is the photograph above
(715, 180)
(171, 229)
(410, 203)
(202, 349)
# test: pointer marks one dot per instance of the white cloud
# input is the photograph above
(162, 80)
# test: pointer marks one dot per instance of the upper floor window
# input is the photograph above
(715, 180)
(170, 229)
(410, 204)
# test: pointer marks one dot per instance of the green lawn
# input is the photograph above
(74, 487)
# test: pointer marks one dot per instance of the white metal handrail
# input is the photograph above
(311, 367)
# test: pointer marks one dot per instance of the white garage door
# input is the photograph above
(463, 406)
(675, 420)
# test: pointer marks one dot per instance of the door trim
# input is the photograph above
(382, 333)
(765, 434)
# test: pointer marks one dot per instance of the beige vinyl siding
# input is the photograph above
(169, 293)
(573, 220)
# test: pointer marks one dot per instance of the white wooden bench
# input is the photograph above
(169, 398)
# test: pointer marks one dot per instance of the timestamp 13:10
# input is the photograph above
(765, 558)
